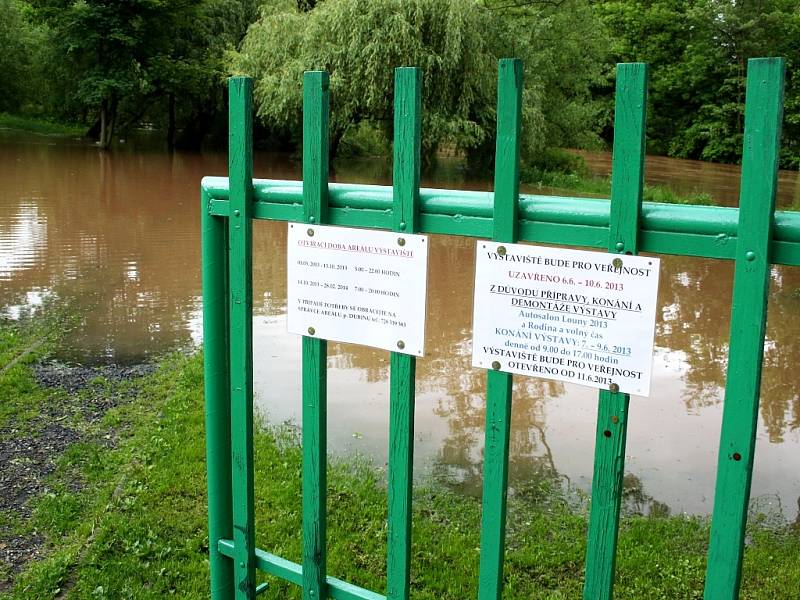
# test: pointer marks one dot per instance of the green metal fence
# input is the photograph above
(754, 236)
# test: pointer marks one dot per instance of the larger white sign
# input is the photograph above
(358, 285)
(570, 315)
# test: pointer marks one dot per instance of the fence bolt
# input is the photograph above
(402, 225)
(620, 246)
(750, 255)
(615, 419)
(236, 213)
(312, 219)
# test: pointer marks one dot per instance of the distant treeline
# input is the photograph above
(112, 65)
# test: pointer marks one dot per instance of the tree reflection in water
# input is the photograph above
(117, 235)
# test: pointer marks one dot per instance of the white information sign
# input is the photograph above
(570, 315)
(358, 285)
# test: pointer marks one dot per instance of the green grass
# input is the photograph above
(136, 527)
(20, 344)
(601, 186)
(41, 126)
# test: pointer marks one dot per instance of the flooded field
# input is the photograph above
(116, 236)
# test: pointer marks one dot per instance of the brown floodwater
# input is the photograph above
(116, 238)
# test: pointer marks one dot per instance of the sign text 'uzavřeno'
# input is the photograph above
(569, 315)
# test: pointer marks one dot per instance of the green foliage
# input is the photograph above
(364, 140)
(19, 41)
(698, 50)
(116, 63)
(42, 126)
(106, 49)
(455, 42)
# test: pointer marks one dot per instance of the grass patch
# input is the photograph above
(136, 528)
(22, 342)
(563, 171)
(41, 126)
(601, 186)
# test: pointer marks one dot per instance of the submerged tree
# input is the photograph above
(104, 47)
(126, 60)
(455, 42)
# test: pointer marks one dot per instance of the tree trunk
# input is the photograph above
(103, 124)
(93, 133)
(171, 122)
(335, 140)
(108, 117)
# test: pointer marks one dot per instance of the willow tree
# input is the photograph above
(455, 42)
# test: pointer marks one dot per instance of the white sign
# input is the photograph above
(570, 315)
(358, 285)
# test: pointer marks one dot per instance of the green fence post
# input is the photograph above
(316, 106)
(405, 219)
(240, 232)
(627, 178)
(763, 116)
(499, 385)
(216, 381)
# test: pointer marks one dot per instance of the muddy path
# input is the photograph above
(76, 398)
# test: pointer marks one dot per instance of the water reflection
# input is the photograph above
(673, 435)
(117, 236)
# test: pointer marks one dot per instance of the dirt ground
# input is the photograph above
(77, 399)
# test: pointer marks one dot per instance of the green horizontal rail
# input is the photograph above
(677, 229)
(293, 573)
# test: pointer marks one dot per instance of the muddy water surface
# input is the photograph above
(116, 235)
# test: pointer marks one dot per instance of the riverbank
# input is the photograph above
(116, 504)
(566, 174)
(40, 126)
(581, 182)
